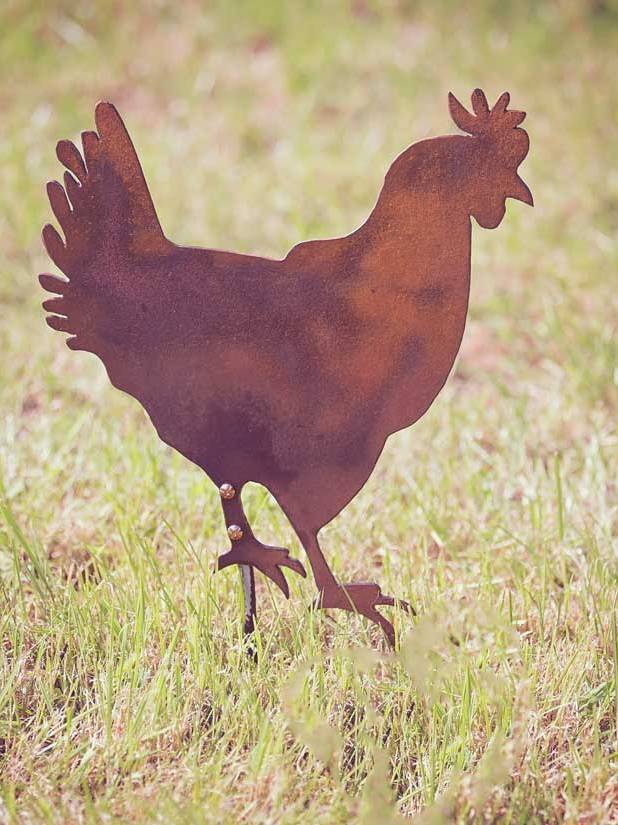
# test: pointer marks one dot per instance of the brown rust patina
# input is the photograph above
(291, 373)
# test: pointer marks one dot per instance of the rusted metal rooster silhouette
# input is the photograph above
(291, 373)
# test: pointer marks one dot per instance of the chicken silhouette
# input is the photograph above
(293, 372)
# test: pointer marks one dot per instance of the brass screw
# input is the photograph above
(234, 531)
(227, 491)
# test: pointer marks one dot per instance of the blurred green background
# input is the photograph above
(292, 113)
(261, 124)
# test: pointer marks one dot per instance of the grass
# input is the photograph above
(124, 692)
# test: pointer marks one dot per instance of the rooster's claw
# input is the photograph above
(363, 598)
(268, 560)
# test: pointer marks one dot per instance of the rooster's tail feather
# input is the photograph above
(109, 224)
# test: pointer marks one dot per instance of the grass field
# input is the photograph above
(124, 692)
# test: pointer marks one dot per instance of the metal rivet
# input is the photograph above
(227, 491)
(234, 531)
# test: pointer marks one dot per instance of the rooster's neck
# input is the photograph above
(412, 235)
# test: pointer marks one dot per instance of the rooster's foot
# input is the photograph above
(268, 560)
(363, 598)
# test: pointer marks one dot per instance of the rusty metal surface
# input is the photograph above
(291, 373)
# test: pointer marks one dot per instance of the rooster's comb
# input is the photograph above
(484, 121)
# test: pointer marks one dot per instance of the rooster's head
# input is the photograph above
(500, 148)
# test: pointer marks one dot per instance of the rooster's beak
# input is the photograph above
(520, 192)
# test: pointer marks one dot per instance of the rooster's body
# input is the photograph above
(291, 373)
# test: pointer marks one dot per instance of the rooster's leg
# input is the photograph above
(248, 552)
(360, 597)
